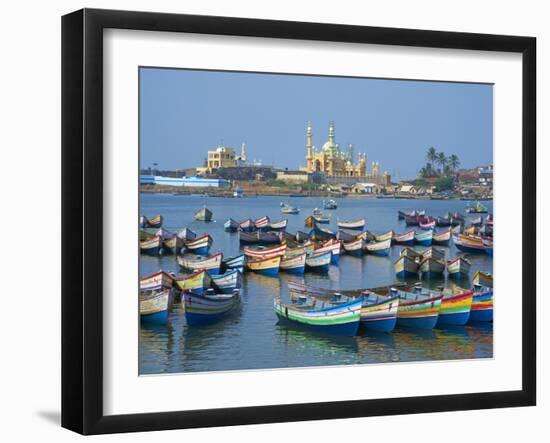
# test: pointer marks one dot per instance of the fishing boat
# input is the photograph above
(321, 317)
(423, 238)
(142, 221)
(209, 307)
(457, 219)
(482, 304)
(269, 237)
(157, 281)
(302, 236)
(442, 237)
(319, 262)
(287, 236)
(438, 254)
(411, 220)
(153, 306)
(431, 267)
(483, 279)
(477, 208)
(379, 313)
(196, 282)
(231, 225)
(378, 248)
(411, 253)
(381, 237)
(477, 221)
(287, 209)
(186, 234)
(354, 247)
(345, 236)
(417, 309)
(155, 222)
(264, 266)
(356, 225)
(203, 214)
(404, 239)
(321, 220)
(444, 221)
(330, 204)
(294, 264)
(152, 246)
(309, 221)
(200, 245)
(210, 264)
(234, 263)
(262, 222)
(426, 224)
(263, 252)
(458, 267)
(406, 266)
(249, 237)
(172, 244)
(470, 230)
(455, 308)
(488, 245)
(247, 225)
(333, 246)
(227, 282)
(401, 215)
(278, 226)
(299, 250)
(321, 234)
(469, 243)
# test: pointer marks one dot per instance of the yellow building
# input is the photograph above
(224, 157)
(331, 160)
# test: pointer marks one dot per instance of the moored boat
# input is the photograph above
(301, 236)
(278, 226)
(197, 282)
(482, 304)
(379, 313)
(209, 307)
(444, 221)
(151, 246)
(153, 307)
(378, 248)
(477, 208)
(431, 267)
(186, 234)
(200, 245)
(231, 225)
(483, 279)
(155, 222)
(295, 264)
(263, 252)
(247, 225)
(210, 264)
(236, 262)
(423, 238)
(321, 234)
(438, 254)
(406, 266)
(441, 237)
(356, 224)
(417, 309)
(469, 243)
(262, 222)
(333, 246)
(269, 237)
(172, 244)
(354, 247)
(404, 239)
(458, 267)
(265, 266)
(345, 236)
(330, 204)
(227, 282)
(426, 223)
(455, 308)
(319, 262)
(286, 209)
(203, 214)
(411, 220)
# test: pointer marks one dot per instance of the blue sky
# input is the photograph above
(184, 113)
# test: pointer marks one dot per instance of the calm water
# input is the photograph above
(250, 338)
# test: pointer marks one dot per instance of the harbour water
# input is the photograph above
(250, 337)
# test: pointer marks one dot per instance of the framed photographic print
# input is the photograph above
(269, 221)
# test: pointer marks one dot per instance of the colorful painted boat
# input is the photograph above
(309, 222)
(236, 262)
(406, 266)
(379, 313)
(264, 266)
(157, 281)
(210, 264)
(344, 236)
(442, 237)
(172, 245)
(324, 318)
(417, 309)
(355, 247)
(231, 225)
(262, 222)
(404, 239)
(457, 219)
(142, 221)
(319, 262)
(295, 264)
(247, 225)
(278, 226)
(423, 238)
(322, 220)
(458, 267)
(186, 234)
(455, 308)
(301, 236)
(200, 245)
(333, 246)
(488, 245)
(469, 243)
(196, 282)
(263, 252)
(249, 237)
(207, 308)
(269, 237)
(321, 234)
(483, 279)
(203, 214)
(378, 248)
(444, 221)
(411, 253)
(152, 246)
(431, 267)
(438, 254)
(411, 220)
(287, 236)
(383, 237)
(482, 304)
(155, 222)
(299, 250)
(153, 307)
(355, 225)
(227, 283)
(426, 222)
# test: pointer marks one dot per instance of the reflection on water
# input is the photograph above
(250, 337)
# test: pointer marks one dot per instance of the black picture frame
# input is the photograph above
(82, 230)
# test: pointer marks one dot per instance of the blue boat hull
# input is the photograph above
(194, 319)
(215, 271)
(406, 274)
(154, 252)
(459, 319)
(418, 323)
(424, 242)
(482, 315)
(384, 325)
(383, 253)
(357, 253)
(320, 269)
(346, 329)
(298, 271)
(469, 250)
(200, 251)
(405, 243)
(272, 272)
(335, 259)
(489, 251)
(432, 274)
(157, 318)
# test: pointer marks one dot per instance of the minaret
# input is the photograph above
(350, 153)
(243, 152)
(309, 144)
(331, 132)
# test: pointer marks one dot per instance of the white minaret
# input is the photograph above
(243, 152)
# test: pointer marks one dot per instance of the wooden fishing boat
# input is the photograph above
(209, 307)
(157, 281)
(290, 210)
(203, 214)
(330, 205)
(231, 225)
(269, 237)
(319, 262)
(249, 237)
(441, 237)
(423, 238)
(411, 253)
(278, 226)
(444, 221)
(263, 252)
(354, 247)
(401, 215)
(482, 305)
(404, 239)
(262, 222)
(378, 248)
(155, 222)
(321, 317)
(428, 224)
(287, 236)
(227, 283)
(186, 234)
(470, 230)
(406, 266)
(309, 221)
(457, 219)
(247, 225)
(321, 234)
(458, 229)
(298, 250)
(234, 263)
(172, 245)
(333, 246)
(302, 236)
(411, 220)
(417, 309)
(356, 224)
(478, 208)
(147, 234)
(200, 245)
(152, 246)
(264, 266)
(154, 306)
(210, 264)
(294, 264)
(379, 313)
(381, 237)
(438, 254)
(488, 245)
(469, 243)
(477, 221)
(346, 236)
(458, 267)
(483, 279)
(455, 308)
(321, 220)
(431, 267)
(196, 282)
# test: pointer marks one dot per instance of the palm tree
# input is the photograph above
(431, 155)
(453, 162)
(441, 160)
